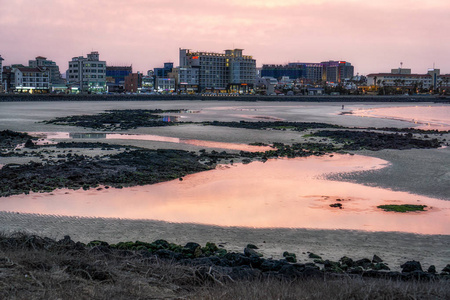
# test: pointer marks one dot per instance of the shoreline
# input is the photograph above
(393, 247)
(240, 98)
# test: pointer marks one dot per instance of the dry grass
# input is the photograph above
(31, 269)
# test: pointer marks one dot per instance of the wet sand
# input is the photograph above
(395, 248)
(419, 171)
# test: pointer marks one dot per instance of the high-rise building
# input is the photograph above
(337, 71)
(43, 62)
(88, 74)
(221, 72)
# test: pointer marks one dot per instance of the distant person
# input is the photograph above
(342, 106)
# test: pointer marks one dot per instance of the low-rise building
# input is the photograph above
(32, 80)
(133, 82)
(87, 74)
(42, 62)
(1, 72)
(165, 84)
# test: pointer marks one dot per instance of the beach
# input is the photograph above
(419, 171)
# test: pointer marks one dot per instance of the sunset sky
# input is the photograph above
(374, 36)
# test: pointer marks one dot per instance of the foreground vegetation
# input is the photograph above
(32, 267)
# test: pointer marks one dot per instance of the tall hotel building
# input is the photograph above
(88, 74)
(220, 72)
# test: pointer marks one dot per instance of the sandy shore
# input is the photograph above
(418, 171)
(393, 247)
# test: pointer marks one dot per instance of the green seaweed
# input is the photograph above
(402, 207)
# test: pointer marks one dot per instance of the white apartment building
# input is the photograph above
(87, 74)
(221, 72)
(31, 80)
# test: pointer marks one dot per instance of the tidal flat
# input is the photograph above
(424, 168)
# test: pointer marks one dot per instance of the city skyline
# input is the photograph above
(374, 37)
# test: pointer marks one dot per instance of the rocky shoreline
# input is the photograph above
(212, 259)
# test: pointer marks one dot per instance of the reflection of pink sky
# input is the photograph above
(427, 117)
(278, 193)
(47, 136)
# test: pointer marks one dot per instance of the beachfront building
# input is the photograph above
(337, 71)
(133, 82)
(329, 71)
(187, 79)
(307, 72)
(32, 80)
(115, 78)
(404, 78)
(165, 84)
(55, 77)
(87, 74)
(221, 72)
(1, 73)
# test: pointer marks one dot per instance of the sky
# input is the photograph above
(374, 35)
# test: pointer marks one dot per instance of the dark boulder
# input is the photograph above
(432, 269)
(446, 269)
(376, 259)
(290, 257)
(364, 263)
(251, 252)
(411, 266)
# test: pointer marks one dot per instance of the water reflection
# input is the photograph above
(279, 193)
(427, 117)
(46, 137)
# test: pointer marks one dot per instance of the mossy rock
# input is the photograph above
(312, 255)
(402, 207)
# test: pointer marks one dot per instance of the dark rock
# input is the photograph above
(290, 257)
(336, 205)
(381, 266)
(272, 265)
(192, 249)
(292, 270)
(376, 259)
(251, 246)
(346, 262)
(411, 266)
(331, 266)
(432, 269)
(446, 269)
(250, 253)
(312, 255)
(365, 263)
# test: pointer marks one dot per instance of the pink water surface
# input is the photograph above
(288, 193)
(423, 117)
(47, 137)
